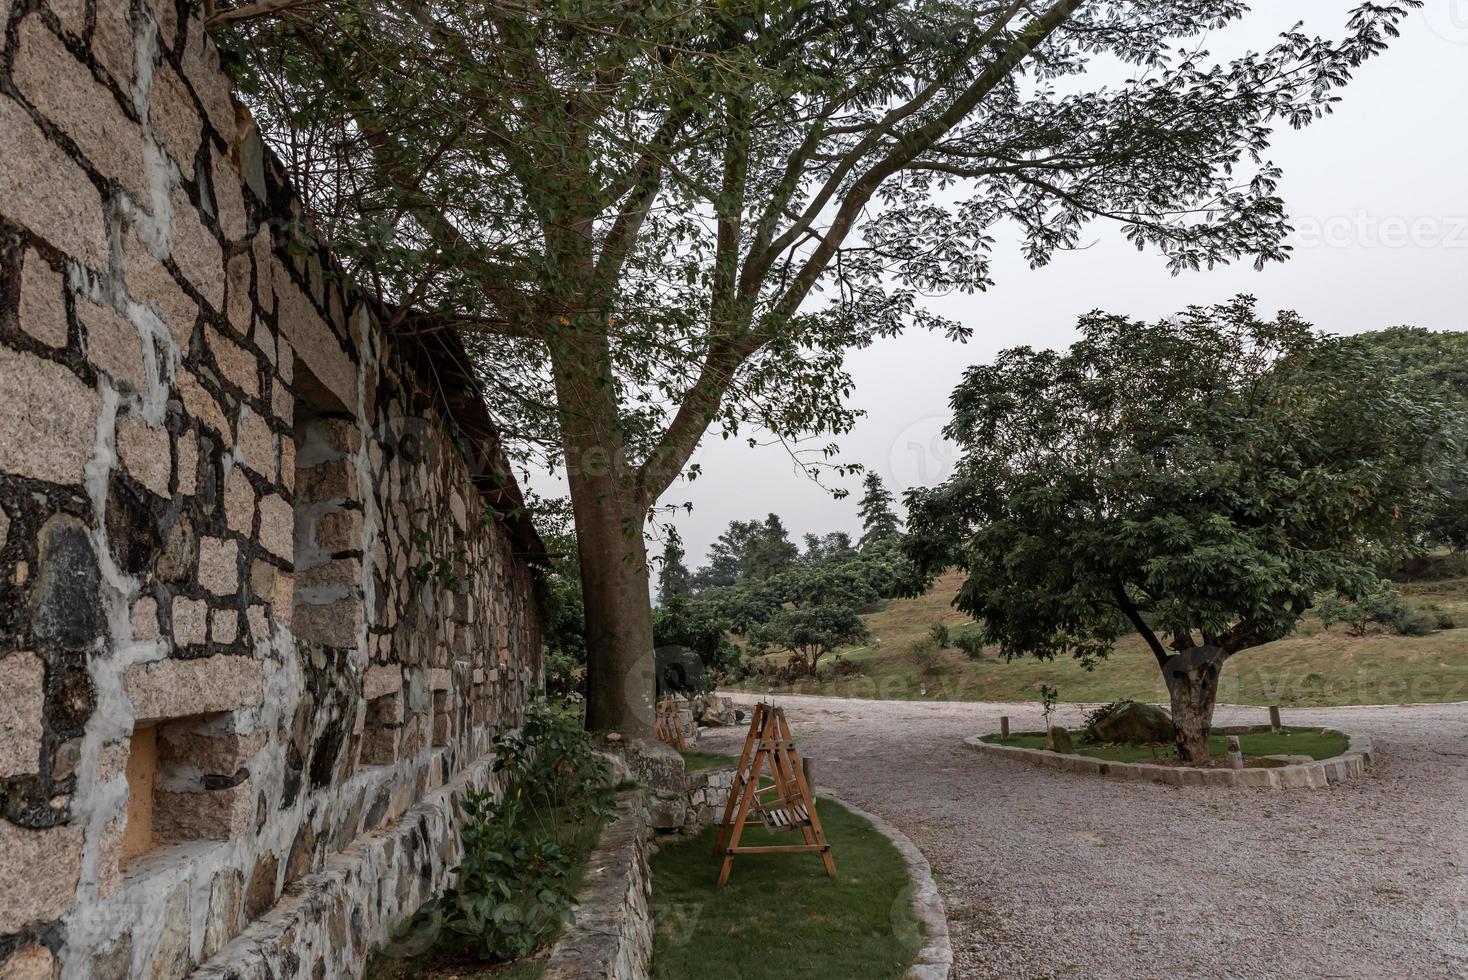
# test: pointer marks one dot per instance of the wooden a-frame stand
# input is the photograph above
(786, 804)
(667, 728)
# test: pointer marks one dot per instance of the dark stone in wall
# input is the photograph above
(64, 606)
(132, 527)
(180, 552)
(260, 894)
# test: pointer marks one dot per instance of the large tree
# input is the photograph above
(657, 218)
(1196, 482)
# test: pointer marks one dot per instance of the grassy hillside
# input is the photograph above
(1312, 668)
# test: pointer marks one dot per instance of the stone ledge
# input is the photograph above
(611, 938)
(1354, 762)
(935, 960)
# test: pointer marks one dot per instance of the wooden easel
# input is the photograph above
(786, 804)
(667, 728)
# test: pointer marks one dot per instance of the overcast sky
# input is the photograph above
(1378, 193)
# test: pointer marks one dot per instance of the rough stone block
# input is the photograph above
(339, 530)
(277, 524)
(201, 405)
(380, 680)
(333, 480)
(315, 344)
(257, 443)
(229, 197)
(42, 306)
(335, 624)
(147, 452)
(201, 66)
(238, 365)
(219, 566)
(331, 580)
(190, 622)
(42, 189)
(188, 463)
(239, 503)
(48, 418)
(174, 120)
(196, 252)
(221, 814)
(65, 606)
(150, 284)
(22, 697)
(169, 959)
(113, 344)
(39, 870)
(226, 895)
(145, 619)
(175, 688)
(67, 94)
(224, 626)
(112, 42)
(29, 963)
(283, 603)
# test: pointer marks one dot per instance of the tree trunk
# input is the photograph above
(1192, 682)
(618, 604)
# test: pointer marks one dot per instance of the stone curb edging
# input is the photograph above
(611, 938)
(1318, 774)
(935, 960)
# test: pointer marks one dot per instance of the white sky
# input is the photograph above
(1378, 193)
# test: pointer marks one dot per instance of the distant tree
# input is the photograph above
(770, 550)
(683, 625)
(878, 522)
(1196, 481)
(563, 615)
(726, 556)
(811, 633)
(1437, 361)
(673, 577)
(827, 547)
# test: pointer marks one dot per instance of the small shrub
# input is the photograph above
(970, 642)
(939, 634)
(1048, 697)
(1445, 620)
(1378, 607)
(846, 668)
(511, 888)
(1414, 622)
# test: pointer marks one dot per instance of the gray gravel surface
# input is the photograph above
(1053, 874)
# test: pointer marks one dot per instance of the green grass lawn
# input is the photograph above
(1313, 668)
(693, 761)
(1317, 743)
(779, 916)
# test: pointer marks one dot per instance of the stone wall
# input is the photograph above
(263, 588)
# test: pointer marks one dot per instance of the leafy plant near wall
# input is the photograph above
(513, 889)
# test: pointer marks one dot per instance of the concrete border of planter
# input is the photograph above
(935, 960)
(1318, 774)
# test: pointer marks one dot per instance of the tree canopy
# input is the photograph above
(878, 521)
(1195, 481)
(811, 633)
(651, 219)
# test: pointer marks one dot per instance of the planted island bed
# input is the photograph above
(780, 916)
(1317, 743)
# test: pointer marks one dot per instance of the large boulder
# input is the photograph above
(714, 711)
(1135, 723)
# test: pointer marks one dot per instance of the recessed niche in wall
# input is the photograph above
(327, 599)
(187, 780)
(380, 731)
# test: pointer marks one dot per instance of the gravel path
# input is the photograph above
(1052, 874)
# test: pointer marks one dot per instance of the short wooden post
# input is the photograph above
(1003, 726)
(1235, 753)
(1274, 725)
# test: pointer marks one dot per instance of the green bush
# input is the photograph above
(939, 633)
(512, 889)
(971, 642)
(1414, 622)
